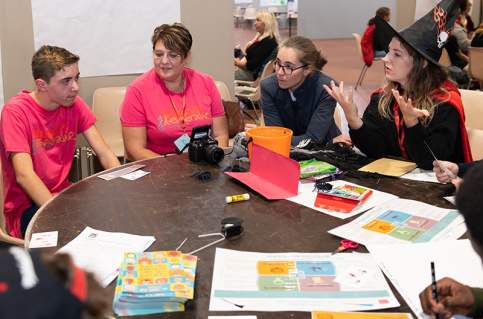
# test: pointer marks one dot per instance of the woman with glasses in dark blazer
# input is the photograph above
(294, 97)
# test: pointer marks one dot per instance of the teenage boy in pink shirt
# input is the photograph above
(38, 132)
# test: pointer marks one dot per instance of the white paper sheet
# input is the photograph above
(419, 174)
(408, 266)
(102, 252)
(110, 36)
(307, 198)
(247, 281)
(403, 221)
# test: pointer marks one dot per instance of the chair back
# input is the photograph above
(475, 137)
(445, 60)
(337, 118)
(4, 235)
(223, 89)
(105, 106)
(237, 12)
(250, 13)
(267, 70)
(473, 106)
(475, 65)
(358, 39)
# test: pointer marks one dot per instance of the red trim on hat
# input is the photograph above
(79, 284)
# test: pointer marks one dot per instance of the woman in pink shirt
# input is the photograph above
(165, 103)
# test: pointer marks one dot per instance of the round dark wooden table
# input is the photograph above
(171, 205)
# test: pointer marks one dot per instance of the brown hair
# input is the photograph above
(50, 59)
(422, 83)
(307, 53)
(175, 37)
(382, 11)
(96, 304)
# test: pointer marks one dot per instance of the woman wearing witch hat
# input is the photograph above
(418, 103)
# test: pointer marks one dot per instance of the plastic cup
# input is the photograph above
(274, 138)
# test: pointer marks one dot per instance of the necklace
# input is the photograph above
(181, 87)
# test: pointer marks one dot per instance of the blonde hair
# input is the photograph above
(271, 26)
(423, 83)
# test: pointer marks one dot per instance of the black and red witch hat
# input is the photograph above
(427, 35)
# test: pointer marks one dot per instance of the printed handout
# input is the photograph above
(248, 281)
(403, 221)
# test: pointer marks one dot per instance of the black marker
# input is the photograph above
(433, 287)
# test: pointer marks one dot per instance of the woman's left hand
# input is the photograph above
(410, 113)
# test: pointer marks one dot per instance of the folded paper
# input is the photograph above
(272, 175)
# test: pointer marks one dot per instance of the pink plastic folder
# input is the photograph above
(272, 175)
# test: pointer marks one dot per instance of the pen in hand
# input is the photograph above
(433, 287)
(450, 174)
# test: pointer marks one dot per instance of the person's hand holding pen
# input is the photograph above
(454, 298)
(443, 176)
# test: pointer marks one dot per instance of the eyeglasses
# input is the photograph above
(172, 56)
(288, 70)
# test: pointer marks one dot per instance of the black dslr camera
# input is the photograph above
(203, 147)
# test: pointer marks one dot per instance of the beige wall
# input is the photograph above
(17, 46)
(405, 13)
(209, 21)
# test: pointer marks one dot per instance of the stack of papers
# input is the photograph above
(154, 282)
(101, 252)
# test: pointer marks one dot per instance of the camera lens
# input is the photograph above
(213, 153)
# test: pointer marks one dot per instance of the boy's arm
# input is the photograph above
(103, 152)
(28, 179)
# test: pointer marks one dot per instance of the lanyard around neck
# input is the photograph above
(180, 116)
(399, 121)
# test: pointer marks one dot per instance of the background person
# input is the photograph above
(459, 30)
(169, 100)
(370, 44)
(455, 298)
(259, 49)
(417, 103)
(466, 19)
(38, 134)
(294, 98)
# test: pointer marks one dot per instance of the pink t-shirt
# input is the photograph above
(149, 103)
(49, 137)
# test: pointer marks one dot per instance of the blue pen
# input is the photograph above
(433, 286)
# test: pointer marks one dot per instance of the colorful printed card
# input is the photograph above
(349, 192)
